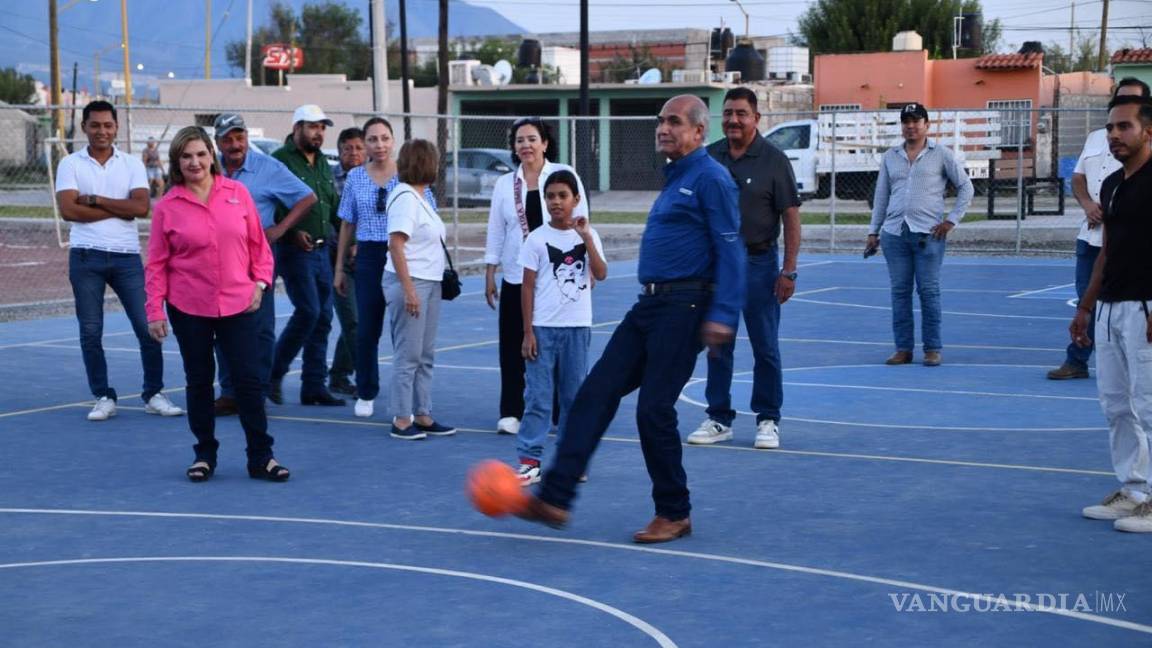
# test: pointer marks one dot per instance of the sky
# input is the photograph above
(1043, 20)
(174, 43)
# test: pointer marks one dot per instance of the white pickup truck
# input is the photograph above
(860, 140)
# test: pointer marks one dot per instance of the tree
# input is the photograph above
(639, 59)
(16, 88)
(329, 34)
(1083, 57)
(832, 26)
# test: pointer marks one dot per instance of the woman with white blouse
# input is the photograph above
(517, 209)
(412, 278)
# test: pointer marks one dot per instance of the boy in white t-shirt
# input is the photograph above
(559, 260)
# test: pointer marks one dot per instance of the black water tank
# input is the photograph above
(529, 53)
(971, 32)
(747, 61)
(1032, 47)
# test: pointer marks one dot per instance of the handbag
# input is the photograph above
(450, 285)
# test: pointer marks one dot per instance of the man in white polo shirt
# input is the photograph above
(102, 191)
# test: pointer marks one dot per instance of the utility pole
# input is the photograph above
(406, 104)
(54, 45)
(127, 75)
(1072, 37)
(207, 39)
(379, 57)
(248, 48)
(1103, 62)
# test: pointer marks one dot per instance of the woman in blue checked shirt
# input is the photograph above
(364, 234)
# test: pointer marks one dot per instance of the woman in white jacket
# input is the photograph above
(517, 209)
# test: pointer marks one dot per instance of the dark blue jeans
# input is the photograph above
(265, 339)
(914, 258)
(308, 282)
(344, 357)
(654, 350)
(1086, 254)
(762, 317)
(89, 271)
(197, 336)
(370, 307)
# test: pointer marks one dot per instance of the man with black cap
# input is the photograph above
(908, 222)
(302, 261)
(272, 187)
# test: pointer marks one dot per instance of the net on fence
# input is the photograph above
(1020, 160)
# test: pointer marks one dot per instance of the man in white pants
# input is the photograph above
(1122, 282)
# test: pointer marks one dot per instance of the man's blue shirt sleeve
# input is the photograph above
(289, 189)
(720, 204)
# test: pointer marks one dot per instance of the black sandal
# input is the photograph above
(199, 471)
(270, 471)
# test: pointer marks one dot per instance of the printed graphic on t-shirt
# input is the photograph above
(568, 269)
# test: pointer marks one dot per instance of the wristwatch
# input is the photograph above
(92, 200)
(791, 276)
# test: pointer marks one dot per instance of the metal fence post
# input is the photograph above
(455, 119)
(1024, 134)
(832, 194)
(57, 221)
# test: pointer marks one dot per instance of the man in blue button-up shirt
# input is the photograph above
(692, 263)
(272, 186)
(908, 222)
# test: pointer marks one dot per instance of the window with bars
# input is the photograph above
(838, 107)
(1015, 121)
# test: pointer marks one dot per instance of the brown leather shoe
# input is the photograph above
(225, 406)
(1067, 372)
(537, 510)
(663, 530)
(899, 358)
(932, 359)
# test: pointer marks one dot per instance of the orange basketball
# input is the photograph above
(495, 489)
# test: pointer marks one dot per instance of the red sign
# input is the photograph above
(279, 56)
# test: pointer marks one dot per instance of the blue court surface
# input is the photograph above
(907, 505)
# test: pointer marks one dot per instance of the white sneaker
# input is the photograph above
(364, 408)
(1139, 522)
(767, 435)
(508, 425)
(710, 432)
(104, 409)
(529, 474)
(1115, 506)
(160, 404)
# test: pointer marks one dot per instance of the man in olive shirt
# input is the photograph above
(768, 199)
(302, 261)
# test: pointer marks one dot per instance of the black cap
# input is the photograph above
(228, 122)
(913, 110)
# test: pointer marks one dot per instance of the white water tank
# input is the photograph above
(907, 41)
(783, 61)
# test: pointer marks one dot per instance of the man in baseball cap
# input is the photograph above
(302, 261)
(913, 111)
(310, 113)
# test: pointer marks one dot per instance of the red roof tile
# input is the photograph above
(1009, 61)
(1133, 56)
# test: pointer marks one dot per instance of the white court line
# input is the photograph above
(1041, 290)
(643, 626)
(992, 347)
(66, 339)
(749, 562)
(936, 391)
(978, 291)
(964, 313)
(76, 347)
(22, 264)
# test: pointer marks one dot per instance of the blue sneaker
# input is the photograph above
(413, 433)
(435, 429)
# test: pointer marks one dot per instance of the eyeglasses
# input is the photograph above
(381, 199)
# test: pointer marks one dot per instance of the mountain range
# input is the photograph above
(167, 36)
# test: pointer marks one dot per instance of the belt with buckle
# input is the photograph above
(656, 288)
(764, 247)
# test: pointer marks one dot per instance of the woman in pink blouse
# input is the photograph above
(209, 260)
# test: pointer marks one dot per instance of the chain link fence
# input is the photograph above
(1020, 160)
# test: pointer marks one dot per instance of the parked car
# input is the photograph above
(479, 169)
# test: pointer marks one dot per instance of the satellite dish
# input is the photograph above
(503, 72)
(484, 75)
(650, 76)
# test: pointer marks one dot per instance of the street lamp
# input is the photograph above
(746, 32)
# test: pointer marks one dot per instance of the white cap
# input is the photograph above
(310, 113)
